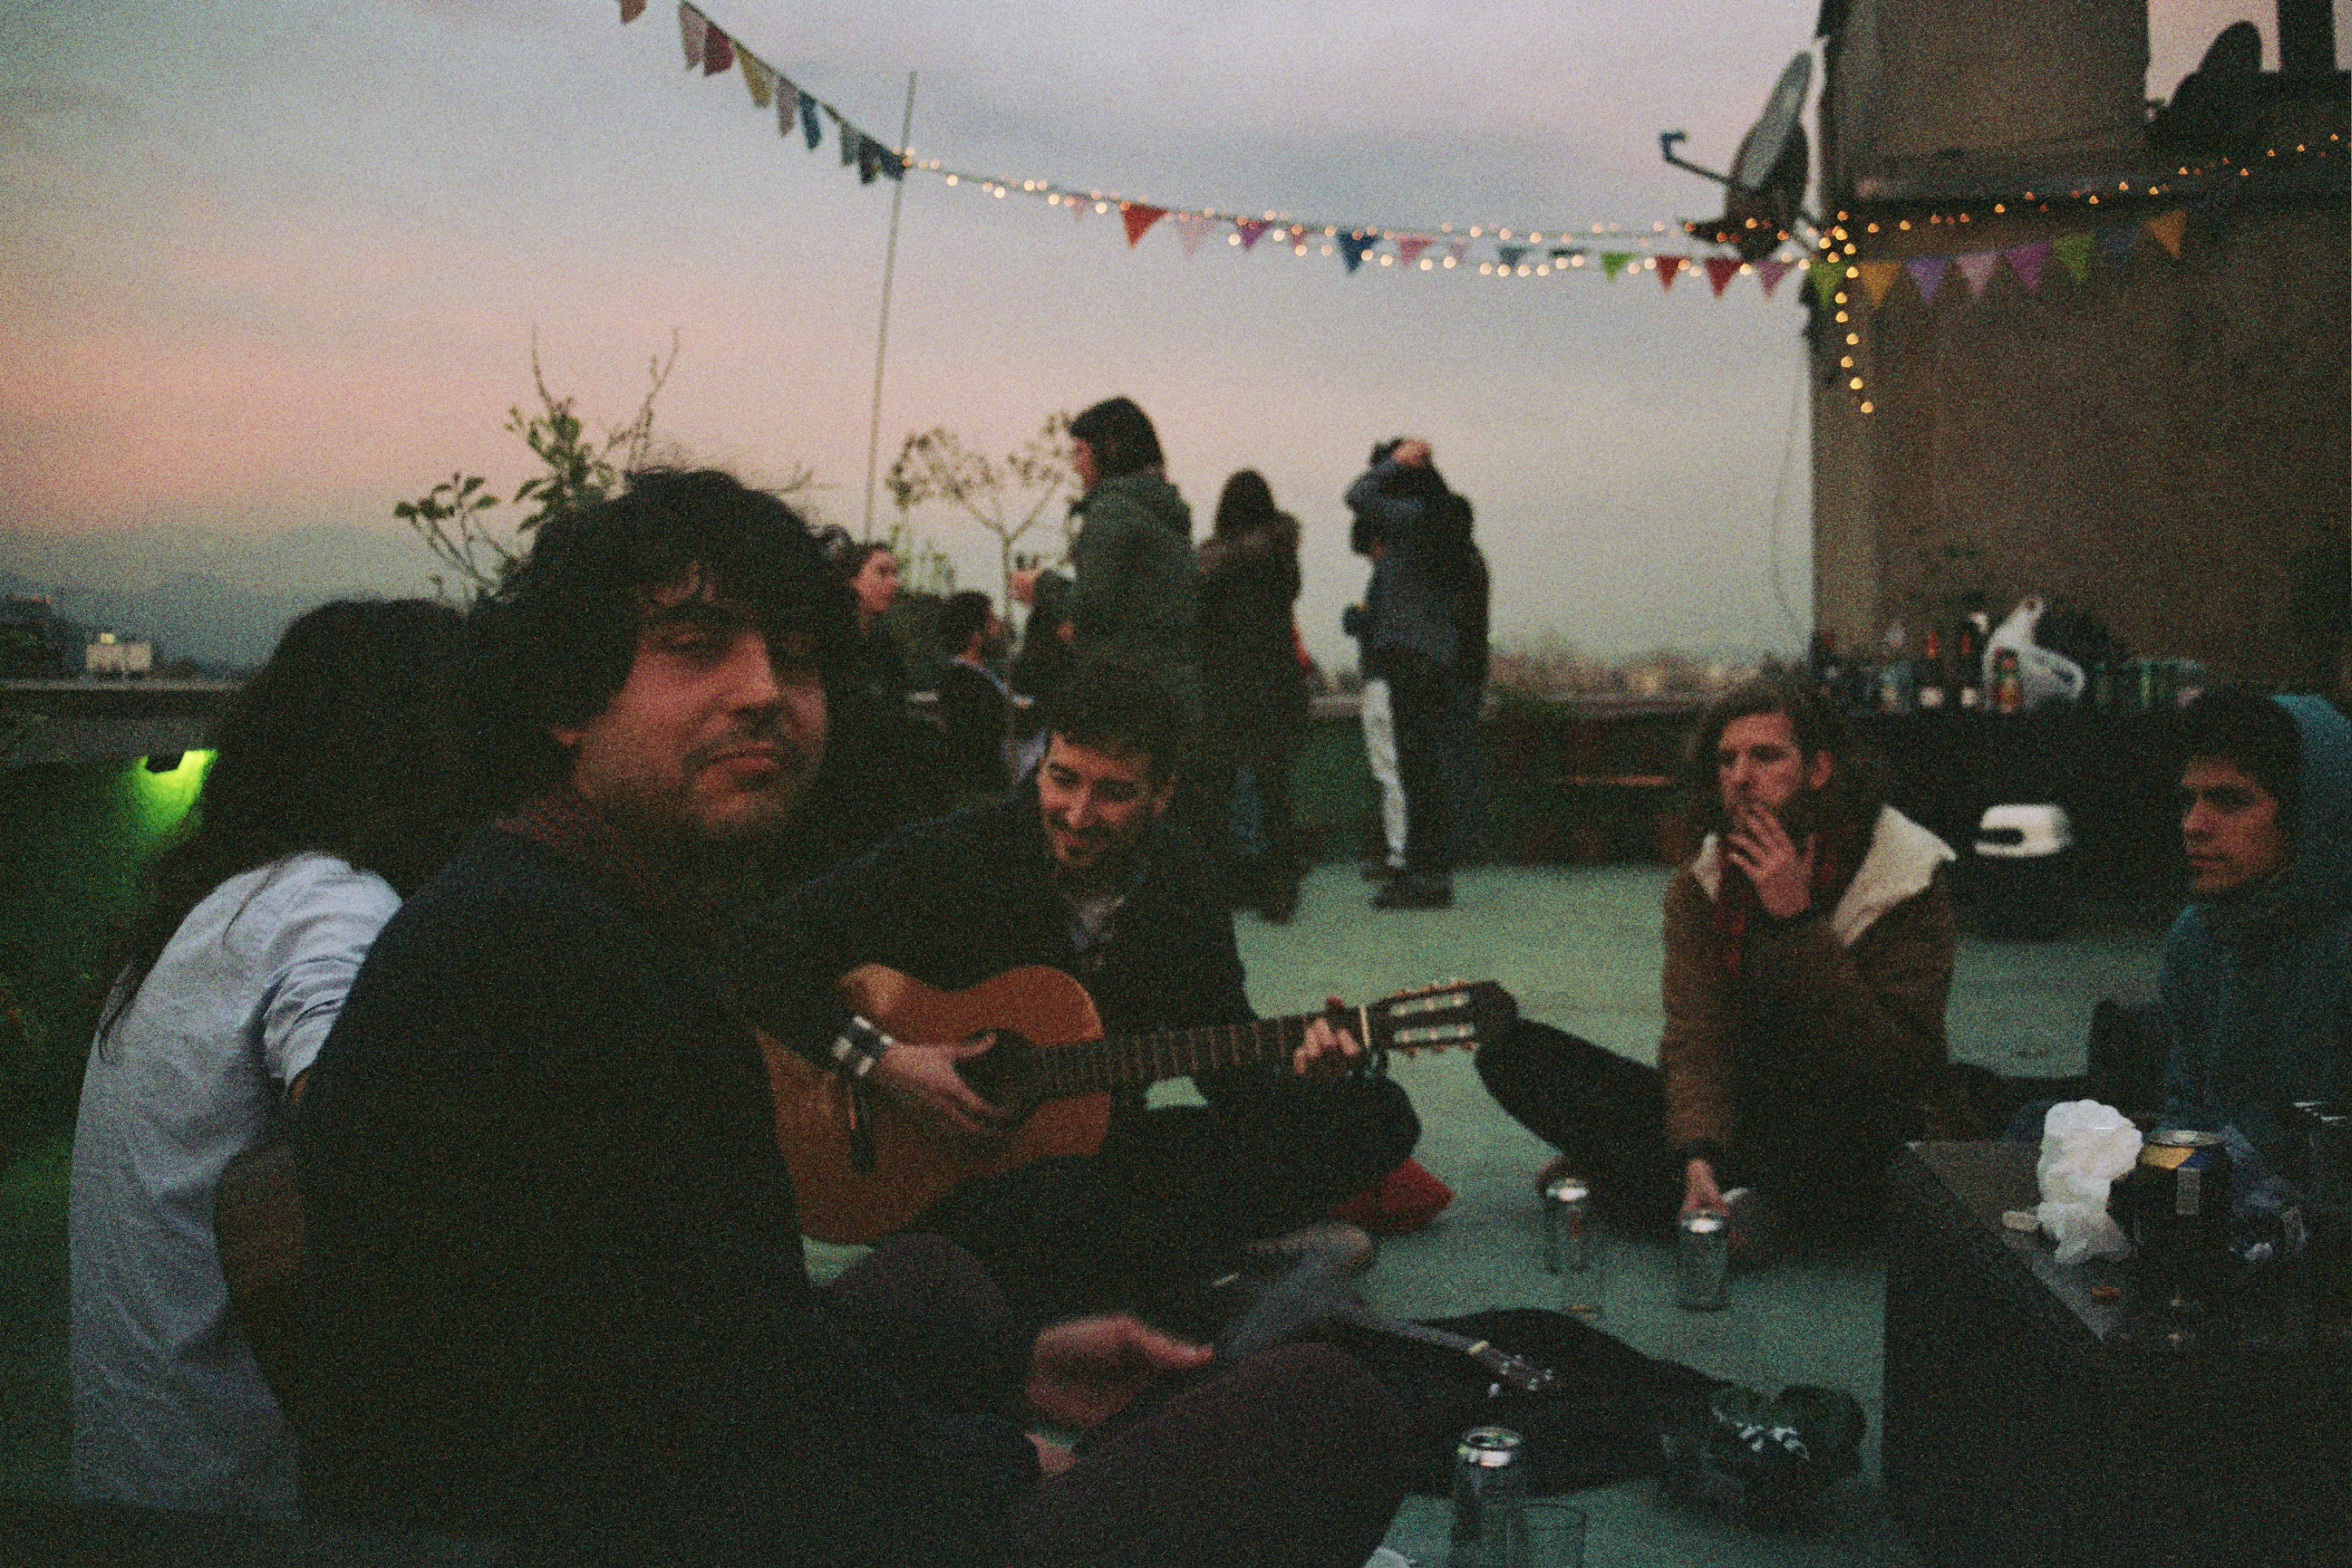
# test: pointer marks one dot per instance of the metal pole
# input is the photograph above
(882, 336)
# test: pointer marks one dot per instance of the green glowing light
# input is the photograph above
(160, 800)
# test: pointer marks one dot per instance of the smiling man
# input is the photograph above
(2256, 974)
(555, 1307)
(1081, 871)
(1808, 952)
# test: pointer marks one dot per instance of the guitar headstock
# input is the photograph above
(1440, 1017)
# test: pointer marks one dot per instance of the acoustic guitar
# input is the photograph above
(1047, 1060)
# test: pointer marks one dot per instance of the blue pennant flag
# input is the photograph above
(1353, 246)
(1510, 254)
(2115, 242)
(810, 132)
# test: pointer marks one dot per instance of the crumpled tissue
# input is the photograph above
(2085, 1147)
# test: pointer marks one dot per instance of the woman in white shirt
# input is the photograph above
(341, 778)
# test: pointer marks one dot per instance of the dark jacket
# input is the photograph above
(553, 1285)
(973, 710)
(1135, 593)
(1428, 579)
(1253, 688)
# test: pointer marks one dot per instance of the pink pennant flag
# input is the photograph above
(718, 52)
(1079, 205)
(631, 10)
(1298, 236)
(692, 28)
(759, 77)
(1769, 274)
(1189, 227)
(1139, 219)
(1720, 271)
(1410, 248)
(2027, 261)
(1928, 276)
(1249, 228)
(1976, 266)
(1668, 266)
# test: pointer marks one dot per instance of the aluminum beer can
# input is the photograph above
(1565, 1206)
(1703, 1262)
(2180, 1211)
(1490, 1500)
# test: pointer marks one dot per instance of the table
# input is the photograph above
(2016, 1431)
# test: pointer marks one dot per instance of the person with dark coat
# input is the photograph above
(977, 707)
(1254, 689)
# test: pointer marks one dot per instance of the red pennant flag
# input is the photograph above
(1410, 248)
(1249, 228)
(1721, 270)
(1668, 266)
(631, 10)
(1137, 218)
(718, 52)
(2026, 261)
(1769, 274)
(692, 28)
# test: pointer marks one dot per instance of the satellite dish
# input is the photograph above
(1766, 187)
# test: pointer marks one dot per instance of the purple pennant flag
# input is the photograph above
(1928, 276)
(1353, 246)
(1454, 247)
(1769, 274)
(693, 28)
(2115, 242)
(2027, 261)
(810, 132)
(1249, 228)
(1976, 266)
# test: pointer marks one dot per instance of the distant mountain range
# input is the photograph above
(218, 598)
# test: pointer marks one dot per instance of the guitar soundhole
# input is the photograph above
(1005, 1074)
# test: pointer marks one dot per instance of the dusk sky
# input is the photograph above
(268, 267)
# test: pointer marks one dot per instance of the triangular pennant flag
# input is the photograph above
(1769, 274)
(1928, 276)
(2168, 227)
(810, 132)
(1827, 278)
(1410, 248)
(2074, 250)
(1189, 227)
(852, 139)
(1668, 266)
(1249, 228)
(718, 52)
(1977, 267)
(631, 10)
(1877, 277)
(893, 162)
(758, 78)
(2027, 261)
(1299, 238)
(1509, 255)
(869, 158)
(1720, 271)
(1353, 246)
(2115, 242)
(1138, 219)
(1454, 249)
(1079, 206)
(692, 27)
(1612, 262)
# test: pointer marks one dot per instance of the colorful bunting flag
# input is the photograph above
(1454, 249)
(1190, 226)
(1612, 262)
(1976, 266)
(1249, 228)
(851, 139)
(758, 78)
(1668, 266)
(1720, 271)
(2115, 242)
(1139, 219)
(718, 52)
(1825, 277)
(631, 10)
(692, 27)
(1877, 277)
(1352, 247)
(1509, 255)
(2027, 261)
(811, 132)
(1079, 205)
(2074, 250)
(873, 158)
(1410, 246)
(2168, 227)
(1769, 274)
(1927, 275)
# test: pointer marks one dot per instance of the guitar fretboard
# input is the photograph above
(1135, 1061)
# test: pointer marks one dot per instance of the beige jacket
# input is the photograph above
(1848, 1005)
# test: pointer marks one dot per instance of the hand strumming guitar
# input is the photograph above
(1084, 1372)
(1327, 1050)
(924, 1080)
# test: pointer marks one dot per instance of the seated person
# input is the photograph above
(976, 706)
(2255, 984)
(1077, 870)
(555, 1303)
(1808, 955)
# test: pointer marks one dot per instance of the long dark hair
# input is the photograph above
(1247, 502)
(352, 741)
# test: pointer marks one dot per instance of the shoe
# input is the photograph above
(1787, 1447)
(1409, 890)
(1345, 1250)
(1750, 1240)
(1382, 871)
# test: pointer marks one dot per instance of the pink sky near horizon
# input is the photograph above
(267, 265)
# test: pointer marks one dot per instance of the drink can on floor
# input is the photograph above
(1703, 1262)
(1490, 1500)
(1565, 1204)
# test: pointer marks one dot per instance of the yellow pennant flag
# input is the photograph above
(758, 75)
(2168, 227)
(1878, 277)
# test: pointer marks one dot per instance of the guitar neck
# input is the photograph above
(1138, 1061)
